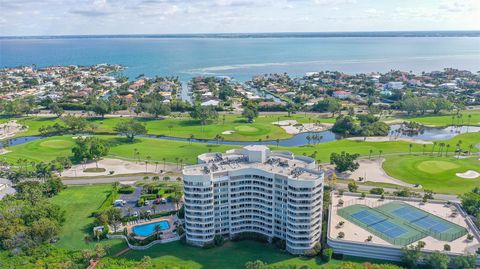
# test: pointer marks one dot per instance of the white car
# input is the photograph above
(147, 203)
(135, 214)
(149, 212)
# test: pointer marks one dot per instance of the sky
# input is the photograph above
(91, 17)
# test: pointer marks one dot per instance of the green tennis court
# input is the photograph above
(432, 225)
(382, 225)
(400, 223)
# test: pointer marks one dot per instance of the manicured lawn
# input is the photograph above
(231, 255)
(434, 173)
(79, 202)
(46, 149)
(443, 120)
(183, 126)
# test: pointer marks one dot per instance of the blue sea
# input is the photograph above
(242, 57)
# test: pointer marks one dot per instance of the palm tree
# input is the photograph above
(308, 139)
(158, 230)
(153, 208)
(446, 150)
(146, 163)
(176, 160)
(433, 147)
(115, 186)
(423, 148)
(410, 148)
(163, 159)
(370, 154)
(380, 153)
(191, 138)
(278, 142)
(156, 165)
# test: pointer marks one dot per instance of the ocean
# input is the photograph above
(241, 57)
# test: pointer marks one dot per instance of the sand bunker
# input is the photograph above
(4, 151)
(293, 127)
(470, 174)
(388, 138)
(10, 129)
(119, 167)
(228, 132)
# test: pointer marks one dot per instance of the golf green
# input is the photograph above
(436, 167)
(246, 129)
(432, 172)
(57, 144)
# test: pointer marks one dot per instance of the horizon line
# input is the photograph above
(402, 33)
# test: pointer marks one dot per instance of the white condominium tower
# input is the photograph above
(253, 189)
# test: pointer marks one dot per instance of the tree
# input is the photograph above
(204, 113)
(130, 129)
(90, 148)
(464, 262)
(100, 251)
(437, 260)
(331, 105)
(344, 161)
(157, 107)
(352, 187)
(471, 201)
(113, 217)
(44, 230)
(256, 265)
(345, 125)
(250, 111)
(218, 240)
(101, 107)
(75, 124)
(410, 256)
(56, 109)
(158, 231)
(327, 254)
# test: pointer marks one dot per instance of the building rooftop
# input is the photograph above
(259, 157)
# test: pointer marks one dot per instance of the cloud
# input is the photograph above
(455, 6)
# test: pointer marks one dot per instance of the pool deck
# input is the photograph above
(169, 233)
(358, 234)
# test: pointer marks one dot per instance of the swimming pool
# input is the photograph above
(149, 229)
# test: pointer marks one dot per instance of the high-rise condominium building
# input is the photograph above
(253, 189)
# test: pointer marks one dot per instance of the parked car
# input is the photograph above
(135, 214)
(147, 202)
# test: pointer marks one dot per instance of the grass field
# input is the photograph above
(79, 202)
(232, 255)
(49, 148)
(433, 173)
(184, 126)
(444, 120)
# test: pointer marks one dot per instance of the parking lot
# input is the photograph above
(131, 202)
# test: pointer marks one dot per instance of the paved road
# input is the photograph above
(446, 197)
(135, 178)
(185, 91)
(104, 180)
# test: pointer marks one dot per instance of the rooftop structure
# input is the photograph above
(254, 189)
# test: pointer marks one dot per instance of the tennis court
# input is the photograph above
(382, 225)
(432, 225)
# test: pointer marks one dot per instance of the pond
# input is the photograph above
(433, 133)
(427, 133)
